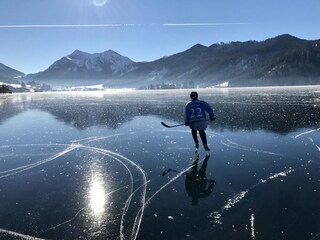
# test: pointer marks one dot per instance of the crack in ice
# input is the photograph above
(232, 202)
(307, 132)
(75, 145)
(16, 234)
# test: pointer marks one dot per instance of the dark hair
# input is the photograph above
(194, 95)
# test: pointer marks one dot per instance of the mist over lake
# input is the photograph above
(99, 165)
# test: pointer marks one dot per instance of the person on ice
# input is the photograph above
(195, 118)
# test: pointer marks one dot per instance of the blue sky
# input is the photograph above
(35, 33)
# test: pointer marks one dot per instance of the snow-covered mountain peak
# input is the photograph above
(77, 54)
(111, 52)
(79, 61)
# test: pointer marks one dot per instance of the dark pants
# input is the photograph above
(203, 137)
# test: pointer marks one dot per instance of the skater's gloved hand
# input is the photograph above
(185, 123)
(212, 119)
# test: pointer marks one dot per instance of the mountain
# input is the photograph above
(82, 65)
(283, 60)
(9, 75)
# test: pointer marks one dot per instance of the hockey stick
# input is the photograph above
(167, 126)
(182, 124)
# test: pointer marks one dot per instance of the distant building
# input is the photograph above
(4, 89)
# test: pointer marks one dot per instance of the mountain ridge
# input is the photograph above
(10, 73)
(282, 60)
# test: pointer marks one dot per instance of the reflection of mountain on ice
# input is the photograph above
(275, 110)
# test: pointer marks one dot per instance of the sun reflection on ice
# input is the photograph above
(96, 193)
(97, 196)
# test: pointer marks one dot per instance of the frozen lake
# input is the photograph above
(99, 165)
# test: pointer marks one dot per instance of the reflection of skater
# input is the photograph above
(197, 184)
(195, 118)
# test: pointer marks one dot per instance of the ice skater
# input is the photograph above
(195, 118)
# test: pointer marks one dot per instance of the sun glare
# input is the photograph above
(100, 2)
(97, 197)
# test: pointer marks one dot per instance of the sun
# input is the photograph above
(100, 2)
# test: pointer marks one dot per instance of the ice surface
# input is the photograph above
(79, 165)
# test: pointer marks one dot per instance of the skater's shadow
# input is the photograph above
(196, 183)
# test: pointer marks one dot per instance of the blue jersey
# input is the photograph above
(195, 114)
